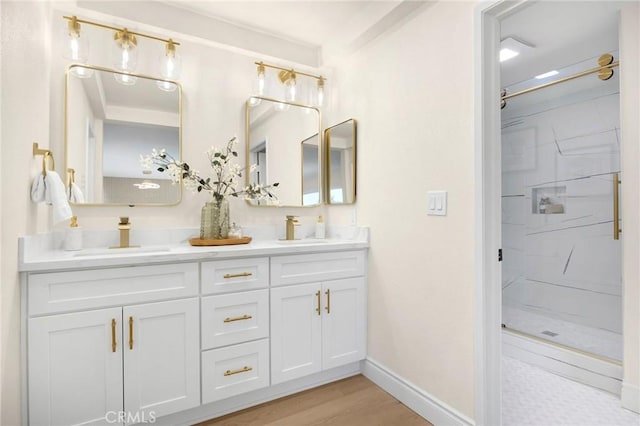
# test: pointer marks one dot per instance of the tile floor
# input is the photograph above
(589, 339)
(534, 397)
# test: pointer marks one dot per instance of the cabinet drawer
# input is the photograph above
(233, 275)
(66, 291)
(228, 319)
(304, 268)
(234, 370)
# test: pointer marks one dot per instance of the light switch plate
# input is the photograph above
(437, 203)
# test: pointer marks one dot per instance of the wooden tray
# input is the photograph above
(223, 242)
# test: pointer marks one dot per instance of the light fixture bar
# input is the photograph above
(108, 27)
(317, 77)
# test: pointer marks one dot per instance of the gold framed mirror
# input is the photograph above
(283, 142)
(340, 143)
(110, 120)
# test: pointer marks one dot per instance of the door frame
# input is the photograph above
(487, 162)
(487, 159)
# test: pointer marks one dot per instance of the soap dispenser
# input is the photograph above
(73, 237)
(320, 228)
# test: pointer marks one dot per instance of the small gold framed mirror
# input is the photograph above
(340, 143)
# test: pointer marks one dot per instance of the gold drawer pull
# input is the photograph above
(130, 333)
(242, 318)
(114, 345)
(328, 307)
(242, 370)
(242, 274)
(318, 307)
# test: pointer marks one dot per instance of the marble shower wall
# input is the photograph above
(560, 259)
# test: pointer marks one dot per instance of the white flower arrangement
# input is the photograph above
(226, 174)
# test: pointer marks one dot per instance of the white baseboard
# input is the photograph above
(427, 406)
(630, 397)
(574, 365)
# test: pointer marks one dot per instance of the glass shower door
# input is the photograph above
(562, 263)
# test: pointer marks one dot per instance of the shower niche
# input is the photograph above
(549, 200)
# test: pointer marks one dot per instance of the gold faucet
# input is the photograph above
(124, 226)
(291, 222)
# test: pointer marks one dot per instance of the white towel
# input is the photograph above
(37, 189)
(75, 194)
(56, 196)
(50, 189)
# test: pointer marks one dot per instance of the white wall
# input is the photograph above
(25, 119)
(413, 99)
(630, 155)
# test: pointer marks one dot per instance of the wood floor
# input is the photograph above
(355, 401)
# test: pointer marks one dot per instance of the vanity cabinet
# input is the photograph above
(91, 366)
(75, 376)
(235, 327)
(133, 342)
(319, 325)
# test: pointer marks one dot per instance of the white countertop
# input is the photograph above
(39, 253)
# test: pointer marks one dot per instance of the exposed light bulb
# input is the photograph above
(320, 92)
(258, 86)
(290, 87)
(170, 62)
(126, 54)
(260, 79)
(77, 48)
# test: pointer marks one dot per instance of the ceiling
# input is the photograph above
(563, 33)
(320, 32)
(314, 33)
(314, 23)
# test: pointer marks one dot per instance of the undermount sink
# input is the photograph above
(117, 251)
(303, 241)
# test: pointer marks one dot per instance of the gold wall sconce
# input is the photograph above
(125, 53)
(288, 77)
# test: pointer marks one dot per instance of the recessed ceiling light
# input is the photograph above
(510, 48)
(547, 74)
(506, 54)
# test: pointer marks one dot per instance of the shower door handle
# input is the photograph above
(616, 206)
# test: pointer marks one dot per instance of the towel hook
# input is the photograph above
(46, 154)
(72, 175)
(44, 163)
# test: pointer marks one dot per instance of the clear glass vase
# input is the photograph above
(214, 220)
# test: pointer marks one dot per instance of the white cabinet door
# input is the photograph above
(75, 370)
(343, 322)
(295, 332)
(161, 358)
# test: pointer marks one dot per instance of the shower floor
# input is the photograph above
(588, 339)
(533, 396)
